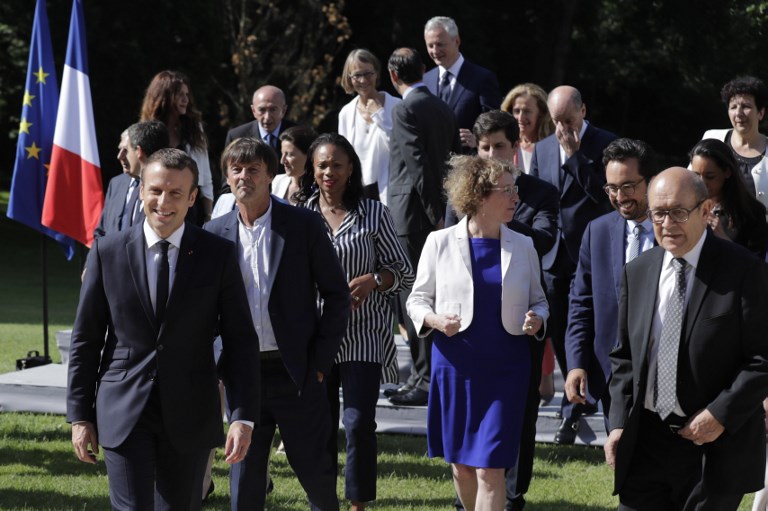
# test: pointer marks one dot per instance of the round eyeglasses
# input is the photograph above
(509, 190)
(627, 189)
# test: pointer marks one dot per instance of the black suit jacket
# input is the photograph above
(114, 204)
(580, 180)
(251, 129)
(722, 365)
(536, 213)
(476, 91)
(424, 133)
(117, 348)
(302, 264)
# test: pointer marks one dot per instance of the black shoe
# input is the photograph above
(414, 397)
(211, 487)
(589, 409)
(566, 433)
(516, 504)
(399, 390)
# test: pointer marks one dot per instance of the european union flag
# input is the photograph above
(38, 120)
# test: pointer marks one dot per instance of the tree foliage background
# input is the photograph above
(649, 70)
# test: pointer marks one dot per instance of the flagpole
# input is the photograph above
(45, 296)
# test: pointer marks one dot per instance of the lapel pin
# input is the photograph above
(191, 252)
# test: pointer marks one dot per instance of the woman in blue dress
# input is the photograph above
(478, 287)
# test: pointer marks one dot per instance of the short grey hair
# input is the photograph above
(445, 23)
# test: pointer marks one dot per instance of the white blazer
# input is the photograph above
(280, 185)
(759, 171)
(444, 279)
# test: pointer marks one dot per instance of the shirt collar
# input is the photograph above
(646, 223)
(412, 87)
(263, 132)
(691, 257)
(153, 238)
(454, 69)
(259, 222)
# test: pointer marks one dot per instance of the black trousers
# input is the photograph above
(421, 349)
(665, 473)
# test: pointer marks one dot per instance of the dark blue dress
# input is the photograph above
(480, 377)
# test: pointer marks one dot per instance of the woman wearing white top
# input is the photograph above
(527, 102)
(366, 121)
(747, 98)
(294, 144)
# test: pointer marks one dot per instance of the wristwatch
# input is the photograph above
(377, 279)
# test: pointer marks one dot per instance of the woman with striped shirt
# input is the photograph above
(377, 267)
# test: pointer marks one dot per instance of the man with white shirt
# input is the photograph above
(609, 241)
(142, 381)
(690, 371)
(571, 159)
(468, 89)
(287, 262)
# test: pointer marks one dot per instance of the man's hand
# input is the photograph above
(610, 446)
(568, 139)
(467, 138)
(83, 435)
(576, 386)
(238, 441)
(702, 428)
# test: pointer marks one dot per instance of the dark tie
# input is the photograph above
(129, 210)
(269, 138)
(635, 242)
(161, 296)
(669, 344)
(445, 87)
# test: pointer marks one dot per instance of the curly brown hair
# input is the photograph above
(158, 104)
(471, 178)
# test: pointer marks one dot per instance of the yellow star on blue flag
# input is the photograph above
(38, 120)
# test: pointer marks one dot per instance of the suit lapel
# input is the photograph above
(278, 235)
(184, 271)
(506, 250)
(701, 283)
(458, 86)
(617, 252)
(137, 266)
(647, 302)
(462, 241)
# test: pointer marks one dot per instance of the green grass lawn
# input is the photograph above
(39, 471)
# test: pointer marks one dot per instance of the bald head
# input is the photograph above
(672, 191)
(269, 107)
(566, 108)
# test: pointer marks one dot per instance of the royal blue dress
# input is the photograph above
(480, 377)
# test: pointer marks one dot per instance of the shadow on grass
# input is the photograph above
(563, 505)
(560, 455)
(43, 500)
(57, 463)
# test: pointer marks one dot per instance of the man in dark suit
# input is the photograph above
(536, 215)
(268, 107)
(571, 160)
(286, 260)
(142, 378)
(122, 207)
(609, 241)
(466, 88)
(691, 368)
(423, 134)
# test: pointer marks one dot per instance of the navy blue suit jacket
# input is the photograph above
(119, 354)
(302, 264)
(580, 180)
(476, 91)
(114, 204)
(593, 317)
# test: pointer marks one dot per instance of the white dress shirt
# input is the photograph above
(646, 238)
(454, 69)
(255, 267)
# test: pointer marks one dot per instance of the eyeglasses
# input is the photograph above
(677, 215)
(627, 189)
(359, 77)
(509, 190)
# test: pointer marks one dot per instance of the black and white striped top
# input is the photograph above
(366, 242)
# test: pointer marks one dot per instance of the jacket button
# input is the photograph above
(159, 347)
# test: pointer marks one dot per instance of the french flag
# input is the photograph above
(74, 197)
